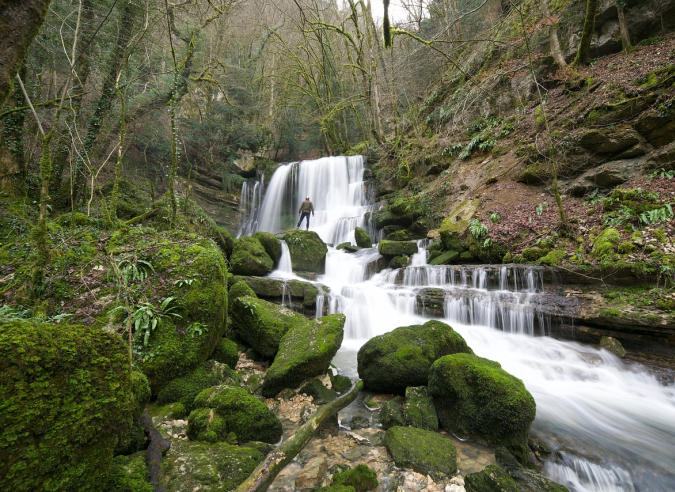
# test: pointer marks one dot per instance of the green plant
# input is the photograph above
(196, 328)
(184, 281)
(495, 217)
(662, 214)
(662, 173)
(477, 229)
(9, 313)
(134, 270)
(539, 209)
(145, 316)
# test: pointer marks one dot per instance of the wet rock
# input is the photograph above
(611, 344)
(476, 398)
(356, 423)
(362, 238)
(319, 393)
(396, 248)
(445, 258)
(361, 477)
(419, 410)
(431, 302)
(424, 451)
(307, 249)
(401, 358)
(271, 244)
(356, 453)
(391, 414)
(312, 474)
(399, 262)
(491, 479)
(262, 324)
(250, 258)
(305, 351)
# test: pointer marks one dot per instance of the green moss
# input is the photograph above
(552, 258)
(399, 262)
(65, 398)
(533, 254)
(401, 235)
(391, 413)
(424, 451)
(454, 228)
(491, 479)
(226, 353)
(362, 238)
(627, 248)
(360, 477)
(476, 398)
(205, 425)
(340, 383)
(307, 249)
(604, 244)
(271, 245)
(186, 388)
(402, 357)
(305, 351)
(336, 488)
(396, 248)
(318, 392)
(129, 474)
(660, 234)
(419, 410)
(250, 258)
(242, 413)
(445, 258)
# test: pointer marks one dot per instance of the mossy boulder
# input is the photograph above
(194, 465)
(262, 324)
(318, 392)
(65, 400)
(401, 235)
(184, 389)
(241, 413)
(271, 244)
(135, 438)
(402, 357)
(250, 258)
(399, 262)
(397, 248)
(362, 238)
(361, 477)
(239, 289)
(445, 258)
(552, 258)
(339, 382)
(475, 398)
(612, 345)
(454, 230)
(424, 451)
(533, 254)
(531, 481)
(391, 413)
(128, 474)
(308, 251)
(226, 352)
(491, 479)
(305, 351)
(419, 409)
(336, 488)
(604, 244)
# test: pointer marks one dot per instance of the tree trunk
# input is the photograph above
(12, 162)
(153, 456)
(623, 27)
(587, 34)
(556, 52)
(265, 473)
(20, 21)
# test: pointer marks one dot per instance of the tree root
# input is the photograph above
(263, 476)
(153, 457)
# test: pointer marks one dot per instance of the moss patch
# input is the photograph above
(424, 451)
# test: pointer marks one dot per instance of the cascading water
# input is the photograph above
(612, 425)
(251, 199)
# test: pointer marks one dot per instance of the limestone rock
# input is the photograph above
(308, 251)
(362, 238)
(312, 474)
(402, 357)
(305, 351)
(250, 258)
(611, 344)
(271, 245)
(395, 248)
(609, 141)
(424, 451)
(475, 398)
(419, 410)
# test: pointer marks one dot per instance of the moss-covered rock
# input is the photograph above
(397, 248)
(391, 413)
(226, 353)
(475, 398)
(65, 399)
(339, 382)
(360, 477)
(271, 244)
(454, 229)
(318, 392)
(197, 465)
(241, 413)
(627, 248)
(336, 488)
(401, 235)
(128, 474)
(402, 357)
(604, 244)
(239, 289)
(419, 409)
(204, 424)
(135, 438)
(186, 388)
(531, 481)
(612, 345)
(262, 324)
(491, 479)
(308, 251)
(250, 258)
(424, 451)
(399, 262)
(552, 258)
(305, 351)
(533, 254)
(445, 258)
(362, 238)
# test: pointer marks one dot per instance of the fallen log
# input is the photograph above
(141, 218)
(153, 456)
(263, 476)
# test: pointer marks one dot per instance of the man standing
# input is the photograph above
(305, 208)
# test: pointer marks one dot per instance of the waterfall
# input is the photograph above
(610, 423)
(249, 204)
(285, 260)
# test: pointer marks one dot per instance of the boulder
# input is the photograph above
(491, 479)
(271, 245)
(607, 175)
(129, 473)
(609, 140)
(431, 302)
(360, 477)
(391, 413)
(445, 258)
(250, 258)
(312, 474)
(262, 324)
(234, 410)
(454, 229)
(65, 399)
(317, 391)
(226, 352)
(419, 410)
(396, 248)
(658, 129)
(475, 398)
(189, 465)
(362, 238)
(612, 345)
(402, 357)
(184, 389)
(399, 262)
(348, 247)
(308, 251)
(426, 452)
(305, 351)
(662, 159)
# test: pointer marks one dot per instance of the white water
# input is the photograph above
(613, 425)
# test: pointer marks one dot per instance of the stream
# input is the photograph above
(611, 424)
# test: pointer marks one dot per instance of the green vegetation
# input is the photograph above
(426, 452)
